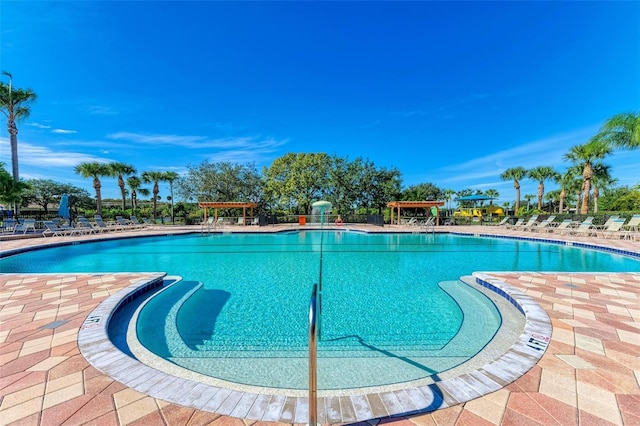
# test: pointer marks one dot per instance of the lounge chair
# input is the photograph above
(136, 222)
(255, 221)
(127, 224)
(585, 228)
(540, 226)
(615, 228)
(85, 226)
(503, 222)
(562, 226)
(54, 230)
(527, 225)
(8, 225)
(25, 226)
(518, 224)
(632, 229)
(240, 221)
(106, 226)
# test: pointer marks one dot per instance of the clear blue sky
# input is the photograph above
(451, 93)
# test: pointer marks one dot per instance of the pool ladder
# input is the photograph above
(430, 225)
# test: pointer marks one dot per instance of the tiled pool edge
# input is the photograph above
(97, 348)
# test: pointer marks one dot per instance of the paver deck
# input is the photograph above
(589, 375)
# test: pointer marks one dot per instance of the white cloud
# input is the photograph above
(199, 142)
(63, 131)
(39, 126)
(42, 156)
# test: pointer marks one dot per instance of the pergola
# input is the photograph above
(227, 205)
(397, 205)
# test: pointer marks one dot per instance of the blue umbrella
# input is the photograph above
(63, 210)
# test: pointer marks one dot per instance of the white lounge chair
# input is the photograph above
(615, 228)
(562, 226)
(585, 229)
(25, 226)
(540, 226)
(52, 229)
(518, 224)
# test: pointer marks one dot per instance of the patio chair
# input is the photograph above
(615, 228)
(518, 223)
(85, 226)
(632, 229)
(585, 229)
(504, 222)
(527, 225)
(126, 223)
(562, 226)
(136, 222)
(25, 226)
(106, 226)
(52, 229)
(541, 226)
(8, 224)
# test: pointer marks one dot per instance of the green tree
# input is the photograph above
(135, 186)
(585, 156)
(529, 197)
(171, 177)
(119, 170)
(516, 174)
(223, 181)
(621, 198)
(569, 183)
(379, 186)
(155, 178)
(422, 192)
(448, 196)
(299, 179)
(541, 174)
(11, 191)
(46, 192)
(601, 180)
(15, 104)
(622, 131)
(493, 193)
(345, 182)
(94, 170)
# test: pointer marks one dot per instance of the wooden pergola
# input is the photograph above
(398, 205)
(227, 205)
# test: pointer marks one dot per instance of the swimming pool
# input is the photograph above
(416, 271)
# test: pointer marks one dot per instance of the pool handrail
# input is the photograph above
(313, 368)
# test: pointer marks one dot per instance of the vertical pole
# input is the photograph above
(313, 384)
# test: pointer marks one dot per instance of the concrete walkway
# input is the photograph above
(589, 375)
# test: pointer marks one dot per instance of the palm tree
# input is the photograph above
(585, 156)
(171, 177)
(602, 179)
(448, 196)
(94, 170)
(529, 197)
(14, 103)
(515, 173)
(11, 191)
(134, 183)
(155, 177)
(568, 183)
(541, 174)
(622, 130)
(119, 170)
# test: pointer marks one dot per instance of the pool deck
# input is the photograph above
(589, 375)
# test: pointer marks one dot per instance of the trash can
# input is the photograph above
(302, 220)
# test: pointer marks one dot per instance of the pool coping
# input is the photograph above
(545, 387)
(526, 351)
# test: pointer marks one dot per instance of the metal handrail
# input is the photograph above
(313, 364)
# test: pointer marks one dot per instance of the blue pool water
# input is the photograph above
(393, 310)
